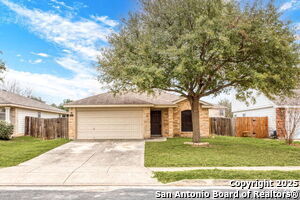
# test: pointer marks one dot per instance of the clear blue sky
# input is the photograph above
(50, 46)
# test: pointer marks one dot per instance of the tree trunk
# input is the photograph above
(194, 101)
(289, 138)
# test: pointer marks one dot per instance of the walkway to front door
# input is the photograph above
(155, 123)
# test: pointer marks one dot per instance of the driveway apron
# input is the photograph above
(84, 163)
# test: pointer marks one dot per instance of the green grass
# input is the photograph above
(166, 177)
(20, 149)
(224, 151)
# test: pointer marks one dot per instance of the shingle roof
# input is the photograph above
(289, 101)
(109, 99)
(130, 98)
(9, 98)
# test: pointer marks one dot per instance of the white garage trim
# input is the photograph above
(110, 123)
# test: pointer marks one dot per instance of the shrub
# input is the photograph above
(6, 130)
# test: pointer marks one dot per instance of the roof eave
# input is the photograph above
(32, 108)
(287, 106)
(207, 106)
(202, 102)
(165, 106)
(109, 106)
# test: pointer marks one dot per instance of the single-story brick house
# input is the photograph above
(274, 109)
(134, 116)
(14, 108)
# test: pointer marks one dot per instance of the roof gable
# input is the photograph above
(9, 98)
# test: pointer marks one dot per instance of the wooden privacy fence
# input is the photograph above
(46, 128)
(221, 126)
(252, 127)
(240, 126)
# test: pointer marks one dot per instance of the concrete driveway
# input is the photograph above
(84, 163)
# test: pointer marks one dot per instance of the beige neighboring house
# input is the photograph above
(134, 116)
(217, 111)
(14, 108)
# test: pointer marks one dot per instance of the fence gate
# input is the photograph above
(221, 126)
(252, 127)
(46, 128)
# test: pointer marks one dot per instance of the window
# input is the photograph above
(222, 112)
(186, 120)
(39, 114)
(2, 114)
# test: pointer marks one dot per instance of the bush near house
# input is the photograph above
(6, 130)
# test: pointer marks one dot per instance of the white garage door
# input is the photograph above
(109, 124)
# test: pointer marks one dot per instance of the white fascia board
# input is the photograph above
(287, 106)
(253, 108)
(202, 102)
(165, 106)
(110, 106)
(32, 108)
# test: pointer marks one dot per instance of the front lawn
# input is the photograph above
(224, 151)
(166, 177)
(20, 149)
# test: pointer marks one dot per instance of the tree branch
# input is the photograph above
(174, 90)
(217, 89)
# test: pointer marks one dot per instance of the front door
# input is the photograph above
(155, 123)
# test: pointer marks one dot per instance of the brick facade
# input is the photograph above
(165, 122)
(146, 121)
(72, 123)
(204, 120)
(280, 122)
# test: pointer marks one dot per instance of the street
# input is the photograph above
(136, 193)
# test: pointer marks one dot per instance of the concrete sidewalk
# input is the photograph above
(84, 163)
(262, 168)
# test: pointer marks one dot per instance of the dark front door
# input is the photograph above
(156, 123)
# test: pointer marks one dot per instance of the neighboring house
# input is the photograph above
(265, 107)
(217, 111)
(14, 108)
(134, 116)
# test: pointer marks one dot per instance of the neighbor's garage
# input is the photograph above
(110, 123)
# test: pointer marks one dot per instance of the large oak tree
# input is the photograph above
(198, 48)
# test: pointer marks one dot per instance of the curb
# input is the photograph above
(183, 183)
(252, 168)
(201, 182)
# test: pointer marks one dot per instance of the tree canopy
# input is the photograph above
(198, 48)
(61, 105)
(16, 87)
(227, 104)
(2, 68)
